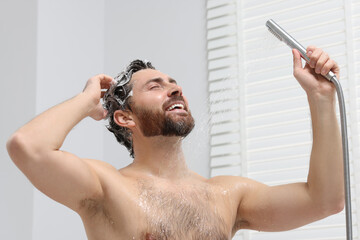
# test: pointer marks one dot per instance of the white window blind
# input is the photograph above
(260, 120)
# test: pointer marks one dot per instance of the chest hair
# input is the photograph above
(180, 213)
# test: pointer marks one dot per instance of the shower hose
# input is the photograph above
(345, 147)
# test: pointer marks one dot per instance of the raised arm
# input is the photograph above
(289, 206)
(35, 148)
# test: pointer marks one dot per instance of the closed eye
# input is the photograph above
(155, 86)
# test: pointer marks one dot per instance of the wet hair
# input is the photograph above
(118, 97)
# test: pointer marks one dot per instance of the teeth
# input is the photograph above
(176, 105)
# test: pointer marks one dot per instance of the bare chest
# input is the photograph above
(150, 210)
(181, 212)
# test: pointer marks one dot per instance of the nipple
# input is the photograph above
(149, 236)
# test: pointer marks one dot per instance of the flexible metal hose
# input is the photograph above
(345, 147)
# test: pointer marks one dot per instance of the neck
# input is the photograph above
(160, 156)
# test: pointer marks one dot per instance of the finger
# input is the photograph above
(326, 68)
(106, 85)
(336, 69)
(324, 57)
(309, 51)
(316, 53)
(296, 60)
(104, 77)
(310, 48)
(330, 65)
(105, 80)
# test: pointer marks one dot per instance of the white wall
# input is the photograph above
(17, 104)
(70, 49)
(62, 44)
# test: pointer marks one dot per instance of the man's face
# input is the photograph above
(159, 106)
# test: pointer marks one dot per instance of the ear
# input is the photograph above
(124, 119)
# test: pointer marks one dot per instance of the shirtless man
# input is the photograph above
(157, 196)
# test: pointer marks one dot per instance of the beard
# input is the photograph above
(157, 123)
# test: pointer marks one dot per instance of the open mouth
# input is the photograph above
(175, 106)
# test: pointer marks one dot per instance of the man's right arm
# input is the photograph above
(35, 148)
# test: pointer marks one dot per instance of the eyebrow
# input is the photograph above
(160, 80)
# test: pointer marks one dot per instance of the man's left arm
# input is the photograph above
(290, 206)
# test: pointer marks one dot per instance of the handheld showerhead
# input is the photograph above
(283, 36)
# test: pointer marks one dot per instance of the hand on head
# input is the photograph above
(95, 88)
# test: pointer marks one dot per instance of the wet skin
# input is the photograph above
(157, 196)
(149, 207)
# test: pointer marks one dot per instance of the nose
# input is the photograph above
(175, 90)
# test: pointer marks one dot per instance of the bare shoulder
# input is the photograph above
(231, 181)
(97, 164)
(240, 186)
(103, 170)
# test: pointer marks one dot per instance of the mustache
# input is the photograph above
(175, 99)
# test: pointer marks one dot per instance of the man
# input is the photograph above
(157, 196)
